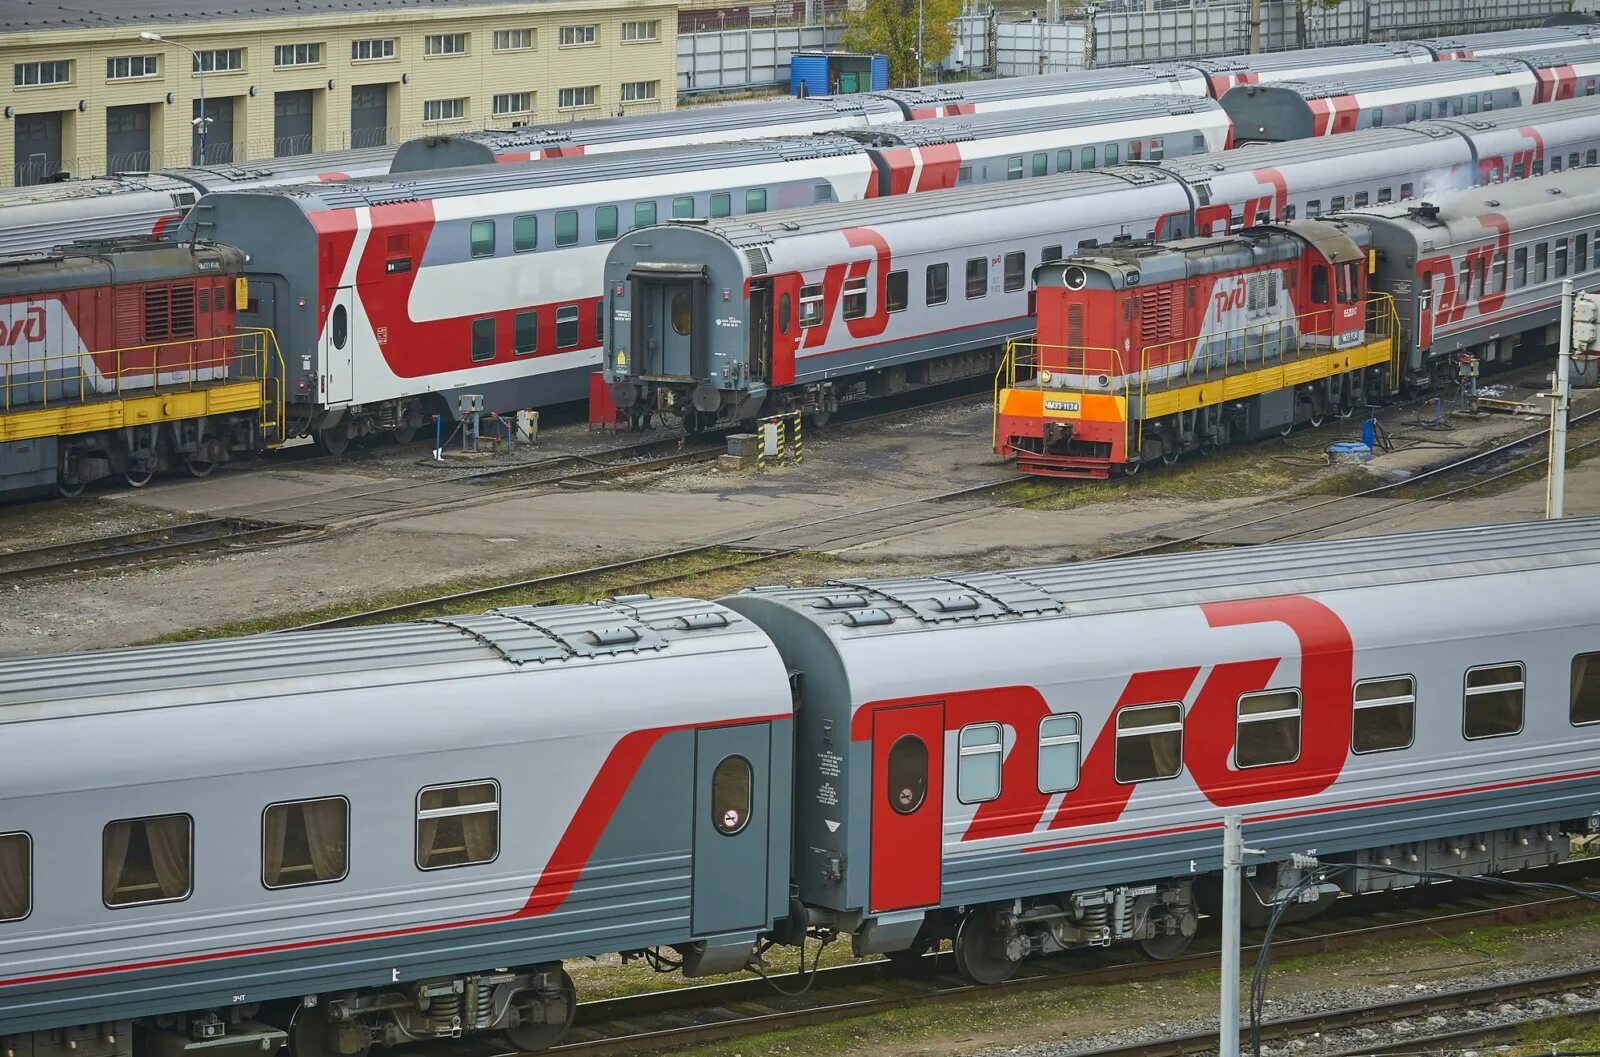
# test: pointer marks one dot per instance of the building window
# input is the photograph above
(513, 103)
(732, 784)
(305, 842)
(644, 214)
(978, 765)
(296, 55)
(937, 285)
(437, 44)
(147, 860)
(28, 74)
(524, 233)
(1585, 694)
(16, 876)
(573, 98)
(577, 36)
(1268, 729)
(810, 306)
(1149, 742)
(639, 32)
(1016, 271)
(855, 297)
(639, 91)
(131, 67)
(755, 200)
(513, 40)
(567, 227)
(1385, 714)
(458, 825)
(483, 339)
(1060, 748)
(566, 326)
(444, 110)
(372, 50)
(896, 291)
(605, 223)
(906, 783)
(525, 333)
(219, 60)
(977, 277)
(1492, 701)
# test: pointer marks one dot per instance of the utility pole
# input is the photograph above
(1255, 26)
(1233, 853)
(919, 43)
(1556, 490)
(204, 119)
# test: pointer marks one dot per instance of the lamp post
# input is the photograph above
(919, 43)
(204, 120)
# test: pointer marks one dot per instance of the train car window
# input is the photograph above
(1064, 160)
(483, 339)
(1149, 742)
(458, 825)
(644, 214)
(1496, 283)
(1472, 104)
(1595, 246)
(305, 842)
(978, 763)
(1086, 158)
(1585, 709)
(605, 223)
(1411, 111)
(1588, 87)
(524, 233)
(721, 205)
(810, 305)
(1014, 167)
(1427, 111)
(755, 200)
(1385, 714)
(600, 322)
(567, 326)
(1538, 167)
(1492, 701)
(907, 774)
(1158, 148)
(1591, 156)
(977, 277)
(566, 227)
(147, 860)
(1517, 169)
(482, 238)
(1541, 263)
(1288, 211)
(964, 175)
(1360, 199)
(731, 785)
(341, 326)
(1319, 284)
(1016, 271)
(1408, 190)
(1456, 107)
(1314, 207)
(1060, 753)
(1377, 117)
(1561, 258)
(1573, 160)
(1268, 729)
(16, 876)
(896, 291)
(785, 313)
(1050, 253)
(683, 208)
(937, 288)
(1385, 196)
(1488, 102)
(1337, 204)
(822, 191)
(1198, 144)
(855, 297)
(1113, 153)
(1519, 271)
(1555, 164)
(1041, 163)
(1580, 253)
(525, 333)
(1464, 282)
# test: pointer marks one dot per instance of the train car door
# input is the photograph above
(761, 329)
(1424, 310)
(338, 349)
(732, 798)
(907, 806)
(666, 319)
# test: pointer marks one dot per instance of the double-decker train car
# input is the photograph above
(900, 762)
(1147, 351)
(125, 358)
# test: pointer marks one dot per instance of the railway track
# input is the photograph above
(145, 548)
(740, 1008)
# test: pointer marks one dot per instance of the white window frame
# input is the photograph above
(812, 297)
(496, 110)
(510, 36)
(433, 45)
(589, 34)
(1468, 691)
(150, 66)
(988, 748)
(1055, 740)
(630, 91)
(1137, 732)
(1357, 704)
(198, 66)
(460, 809)
(593, 90)
(309, 54)
(379, 49)
(441, 104)
(1241, 720)
(652, 27)
(19, 77)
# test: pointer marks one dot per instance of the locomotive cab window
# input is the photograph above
(147, 860)
(1060, 746)
(458, 825)
(978, 765)
(305, 842)
(1385, 714)
(16, 876)
(810, 306)
(1492, 701)
(1268, 729)
(482, 238)
(731, 785)
(896, 291)
(1585, 699)
(1319, 285)
(1349, 282)
(1149, 742)
(906, 783)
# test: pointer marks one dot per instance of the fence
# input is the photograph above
(744, 59)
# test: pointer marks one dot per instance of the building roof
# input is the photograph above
(33, 16)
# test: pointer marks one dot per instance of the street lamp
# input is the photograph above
(204, 119)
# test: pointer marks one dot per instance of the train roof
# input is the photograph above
(1415, 76)
(853, 608)
(122, 260)
(294, 169)
(1525, 203)
(1196, 167)
(1499, 42)
(496, 642)
(998, 88)
(1585, 108)
(1274, 61)
(1083, 114)
(92, 188)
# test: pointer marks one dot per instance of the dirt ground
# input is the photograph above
(848, 469)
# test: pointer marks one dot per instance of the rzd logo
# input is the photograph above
(1230, 300)
(24, 330)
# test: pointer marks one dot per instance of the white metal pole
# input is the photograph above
(1232, 896)
(1555, 496)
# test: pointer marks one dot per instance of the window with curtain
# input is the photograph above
(1268, 728)
(305, 842)
(1149, 742)
(1492, 701)
(1385, 714)
(147, 860)
(16, 876)
(458, 825)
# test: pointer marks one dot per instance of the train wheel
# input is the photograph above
(137, 478)
(1132, 467)
(200, 467)
(1316, 420)
(404, 434)
(69, 489)
(1169, 455)
(982, 956)
(820, 418)
(310, 1035)
(546, 1034)
(334, 441)
(1166, 947)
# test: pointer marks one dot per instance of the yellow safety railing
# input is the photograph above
(1187, 361)
(248, 355)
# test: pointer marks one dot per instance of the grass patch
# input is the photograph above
(1244, 472)
(1564, 1034)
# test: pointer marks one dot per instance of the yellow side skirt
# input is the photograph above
(128, 411)
(1165, 402)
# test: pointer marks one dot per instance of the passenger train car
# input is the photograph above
(1019, 762)
(723, 321)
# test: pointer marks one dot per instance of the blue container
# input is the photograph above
(880, 73)
(837, 73)
(808, 74)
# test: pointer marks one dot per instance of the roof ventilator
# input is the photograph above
(863, 618)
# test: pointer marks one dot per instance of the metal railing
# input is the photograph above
(1187, 361)
(250, 355)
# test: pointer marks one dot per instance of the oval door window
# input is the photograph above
(682, 318)
(908, 774)
(341, 326)
(785, 313)
(731, 783)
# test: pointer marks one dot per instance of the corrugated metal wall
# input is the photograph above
(738, 59)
